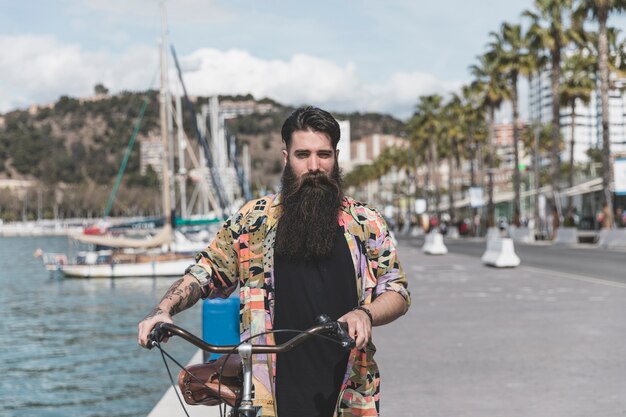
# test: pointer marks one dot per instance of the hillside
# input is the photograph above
(72, 150)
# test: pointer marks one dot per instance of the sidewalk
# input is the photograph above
(521, 342)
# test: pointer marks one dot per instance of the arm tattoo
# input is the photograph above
(170, 292)
(187, 296)
(155, 312)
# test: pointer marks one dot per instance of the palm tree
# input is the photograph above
(452, 122)
(577, 85)
(492, 87)
(510, 49)
(553, 37)
(425, 129)
(599, 10)
(475, 134)
(536, 59)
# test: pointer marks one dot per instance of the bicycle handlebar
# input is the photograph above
(338, 330)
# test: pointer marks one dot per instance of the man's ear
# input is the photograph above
(337, 154)
(285, 156)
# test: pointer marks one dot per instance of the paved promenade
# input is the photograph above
(485, 342)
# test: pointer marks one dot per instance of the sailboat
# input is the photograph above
(167, 253)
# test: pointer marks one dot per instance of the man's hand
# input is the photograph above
(181, 295)
(384, 309)
(148, 323)
(359, 327)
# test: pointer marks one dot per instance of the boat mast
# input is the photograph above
(165, 182)
(182, 145)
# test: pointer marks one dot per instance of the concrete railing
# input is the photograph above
(612, 238)
(522, 234)
(566, 236)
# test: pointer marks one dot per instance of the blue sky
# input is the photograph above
(343, 55)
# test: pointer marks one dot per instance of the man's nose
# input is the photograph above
(313, 164)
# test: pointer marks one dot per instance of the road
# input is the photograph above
(585, 260)
(547, 338)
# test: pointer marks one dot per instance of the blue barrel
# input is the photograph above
(220, 321)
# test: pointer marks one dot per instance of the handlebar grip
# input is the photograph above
(156, 335)
(344, 338)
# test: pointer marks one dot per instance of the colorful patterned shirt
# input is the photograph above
(242, 255)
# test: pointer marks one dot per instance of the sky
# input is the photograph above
(340, 55)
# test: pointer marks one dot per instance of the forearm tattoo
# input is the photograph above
(155, 312)
(182, 296)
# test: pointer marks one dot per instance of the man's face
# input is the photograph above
(310, 152)
(312, 195)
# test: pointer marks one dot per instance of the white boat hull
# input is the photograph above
(168, 268)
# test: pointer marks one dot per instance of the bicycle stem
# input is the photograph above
(245, 352)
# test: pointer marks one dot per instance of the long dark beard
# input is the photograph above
(308, 224)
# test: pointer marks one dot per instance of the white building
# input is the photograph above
(588, 130)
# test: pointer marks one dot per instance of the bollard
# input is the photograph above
(500, 253)
(433, 244)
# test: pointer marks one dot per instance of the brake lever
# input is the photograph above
(339, 329)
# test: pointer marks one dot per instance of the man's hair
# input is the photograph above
(313, 119)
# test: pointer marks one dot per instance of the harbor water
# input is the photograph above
(69, 346)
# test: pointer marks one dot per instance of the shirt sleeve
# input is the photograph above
(383, 255)
(217, 266)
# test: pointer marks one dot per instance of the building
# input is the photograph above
(151, 154)
(368, 148)
(588, 129)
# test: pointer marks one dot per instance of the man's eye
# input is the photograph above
(325, 155)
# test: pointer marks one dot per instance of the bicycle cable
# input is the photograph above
(219, 376)
(169, 374)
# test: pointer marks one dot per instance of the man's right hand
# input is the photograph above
(148, 323)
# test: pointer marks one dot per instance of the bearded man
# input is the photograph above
(305, 251)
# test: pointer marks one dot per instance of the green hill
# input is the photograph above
(73, 148)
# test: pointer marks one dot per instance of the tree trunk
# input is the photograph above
(516, 174)
(472, 181)
(570, 181)
(451, 208)
(604, 100)
(472, 161)
(434, 159)
(537, 177)
(556, 111)
(490, 204)
(428, 182)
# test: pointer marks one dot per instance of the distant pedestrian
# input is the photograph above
(606, 217)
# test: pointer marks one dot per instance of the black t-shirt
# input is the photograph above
(308, 378)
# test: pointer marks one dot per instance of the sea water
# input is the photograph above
(68, 347)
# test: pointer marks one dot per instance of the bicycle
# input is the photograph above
(325, 327)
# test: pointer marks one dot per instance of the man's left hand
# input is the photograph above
(359, 327)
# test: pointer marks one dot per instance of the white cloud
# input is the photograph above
(306, 79)
(39, 69)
